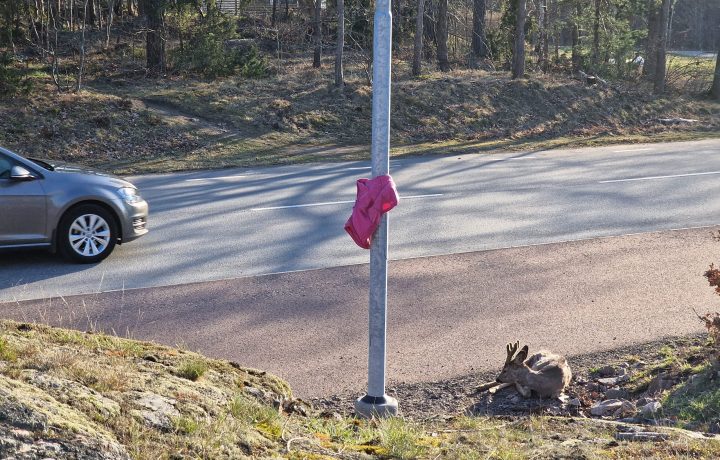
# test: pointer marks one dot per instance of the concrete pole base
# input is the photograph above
(371, 406)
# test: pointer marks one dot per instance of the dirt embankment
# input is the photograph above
(143, 125)
(68, 394)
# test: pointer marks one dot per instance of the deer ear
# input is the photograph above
(522, 355)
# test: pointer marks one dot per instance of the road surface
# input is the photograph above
(448, 316)
(455, 298)
(213, 225)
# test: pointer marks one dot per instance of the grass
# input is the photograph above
(252, 412)
(139, 125)
(192, 369)
(400, 438)
(68, 377)
(7, 351)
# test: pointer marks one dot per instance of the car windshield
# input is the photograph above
(42, 164)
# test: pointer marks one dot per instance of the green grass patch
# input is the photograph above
(400, 438)
(192, 369)
(7, 351)
(697, 400)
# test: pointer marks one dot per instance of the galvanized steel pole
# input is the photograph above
(376, 402)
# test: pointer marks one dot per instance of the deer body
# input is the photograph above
(545, 373)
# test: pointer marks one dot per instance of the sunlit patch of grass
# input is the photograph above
(263, 417)
(192, 369)
(400, 438)
(697, 400)
(7, 351)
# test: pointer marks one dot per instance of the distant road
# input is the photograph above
(224, 224)
(695, 54)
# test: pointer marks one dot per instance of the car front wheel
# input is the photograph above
(87, 234)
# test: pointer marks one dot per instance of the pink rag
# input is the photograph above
(375, 197)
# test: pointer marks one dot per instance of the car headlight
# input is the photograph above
(129, 195)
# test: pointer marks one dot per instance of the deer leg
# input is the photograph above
(499, 387)
(524, 391)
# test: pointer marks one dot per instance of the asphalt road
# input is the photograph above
(448, 316)
(213, 225)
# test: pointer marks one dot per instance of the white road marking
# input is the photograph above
(361, 167)
(329, 203)
(631, 150)
(658, 177)
(214, 178)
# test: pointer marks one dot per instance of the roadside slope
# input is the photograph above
(141, 125)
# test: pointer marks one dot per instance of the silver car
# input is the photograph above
(79, 212)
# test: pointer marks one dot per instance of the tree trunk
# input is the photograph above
(131, 8)
(339, 79)
(317, 34)
(659, 80)
(715, 89)
(81, 68)
(155, 35)
(542, 48)
(652, 40)
(596, 38)
(479, 41)
(418, 47)
(518, 65)
(556, 35)
(442, 36)
(576, 41)
(274, 12)
(109, 22)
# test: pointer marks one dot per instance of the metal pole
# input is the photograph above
(376, 402)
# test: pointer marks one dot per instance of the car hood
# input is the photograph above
(70, 168)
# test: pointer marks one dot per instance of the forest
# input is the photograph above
(603, 38)
(271, 75)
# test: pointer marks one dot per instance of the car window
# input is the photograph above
(5, 166)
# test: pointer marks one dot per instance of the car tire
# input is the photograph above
(87, 234)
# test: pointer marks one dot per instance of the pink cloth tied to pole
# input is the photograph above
(375, 197)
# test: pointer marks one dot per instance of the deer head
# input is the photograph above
(515, 366)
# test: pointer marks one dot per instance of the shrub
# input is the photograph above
(207, 54)
(12, 82)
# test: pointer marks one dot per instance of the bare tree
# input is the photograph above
(576, 39)
(81, 69)
(154, 12)
(274, 13)
(442, 36)
(660, 70)
(541, 11)
(418, 47)
(595, 60)
(317, 34)
(715, 89)
(518, 64)
(652, 39)
(108, 24)
(339, 80)
(479, 41)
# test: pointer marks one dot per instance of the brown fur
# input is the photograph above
(544, 373)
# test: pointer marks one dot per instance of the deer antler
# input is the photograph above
(511, 348)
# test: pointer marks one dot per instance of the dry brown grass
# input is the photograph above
(133, 125)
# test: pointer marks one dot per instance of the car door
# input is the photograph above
(22, 207)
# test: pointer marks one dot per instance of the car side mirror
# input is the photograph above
(19, 173)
